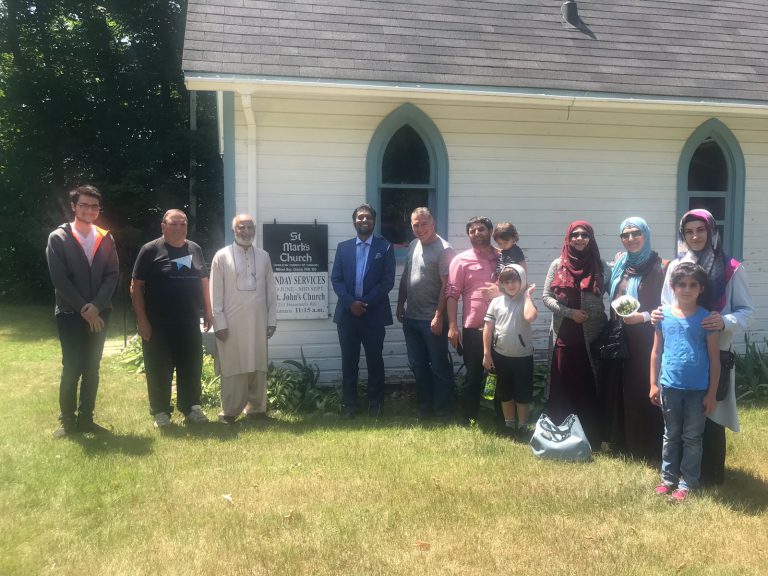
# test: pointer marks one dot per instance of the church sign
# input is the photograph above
(299, 254)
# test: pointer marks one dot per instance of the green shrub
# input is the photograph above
(294, 389)
(290, 389)
(752, 372)
(210, 384)
(132, 358)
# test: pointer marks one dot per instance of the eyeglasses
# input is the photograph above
(628, 235)
(584, 235)
(84, 206)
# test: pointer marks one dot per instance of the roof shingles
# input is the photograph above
(672, 48)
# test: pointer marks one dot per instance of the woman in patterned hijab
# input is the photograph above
(727, 297)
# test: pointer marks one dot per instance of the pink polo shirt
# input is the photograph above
(470, 271)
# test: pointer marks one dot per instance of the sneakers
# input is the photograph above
(196, 416)
(678, 496)
(227, 420)
(162, 420)
(663, 490)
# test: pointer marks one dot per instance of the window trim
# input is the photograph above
(734, 158)
(438, 160)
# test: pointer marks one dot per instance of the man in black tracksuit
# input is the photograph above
(82, 261)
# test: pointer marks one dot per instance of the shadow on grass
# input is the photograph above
(111, 443)
(391, 419)
(224, 433)
(209, 431)
(742, 492)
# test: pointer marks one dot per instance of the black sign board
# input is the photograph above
(299, 254)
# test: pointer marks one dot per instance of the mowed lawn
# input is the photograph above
(321, 495)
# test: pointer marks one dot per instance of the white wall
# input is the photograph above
(538, 167)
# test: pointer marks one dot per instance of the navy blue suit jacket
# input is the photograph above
(378, 280)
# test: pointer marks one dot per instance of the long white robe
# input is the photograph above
(245, 313)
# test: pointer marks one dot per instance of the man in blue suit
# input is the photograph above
(363, 274)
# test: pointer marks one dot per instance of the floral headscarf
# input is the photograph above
(718, 266)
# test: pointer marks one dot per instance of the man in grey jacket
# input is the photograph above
(82, 261)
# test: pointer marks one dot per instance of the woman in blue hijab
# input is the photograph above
(631, 422)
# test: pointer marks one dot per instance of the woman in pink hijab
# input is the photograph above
(727, 297)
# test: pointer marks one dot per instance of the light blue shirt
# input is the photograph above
(361, 260)
(685, 362)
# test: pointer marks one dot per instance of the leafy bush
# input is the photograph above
(132, 358)
(210, 384)
(290, 389)
(295, 389)
(752, 372)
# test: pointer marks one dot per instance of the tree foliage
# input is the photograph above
(93, 92)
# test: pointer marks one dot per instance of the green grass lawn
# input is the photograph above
(325, 496)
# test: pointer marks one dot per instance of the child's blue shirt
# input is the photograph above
(685, 361)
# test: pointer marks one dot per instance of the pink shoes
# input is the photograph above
(663, 490)
(674, 495)
(678, 496)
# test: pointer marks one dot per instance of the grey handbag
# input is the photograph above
(564, 442)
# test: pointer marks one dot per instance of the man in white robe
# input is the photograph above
(244, 302)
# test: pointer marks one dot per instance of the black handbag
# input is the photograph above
(727, 362)
(611, 344)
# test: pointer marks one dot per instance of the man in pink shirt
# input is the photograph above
(470, 278)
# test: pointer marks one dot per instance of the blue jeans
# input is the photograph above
(431, 365)
(684, 422)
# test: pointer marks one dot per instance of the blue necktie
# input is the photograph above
(362, 257)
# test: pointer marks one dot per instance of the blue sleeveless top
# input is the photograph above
(685, 362)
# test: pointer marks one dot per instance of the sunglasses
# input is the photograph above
(584, 235)
(628, 235)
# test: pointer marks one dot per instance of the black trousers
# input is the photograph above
(179, 346)
(472, 342)
(713, 454)
(81, 352)
(353, 333)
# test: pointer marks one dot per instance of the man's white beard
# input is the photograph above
(245, 243)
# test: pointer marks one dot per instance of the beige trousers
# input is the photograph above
(244, 392)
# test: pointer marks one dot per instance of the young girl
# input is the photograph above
(507, 345)
(685, 369)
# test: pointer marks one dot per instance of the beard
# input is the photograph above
(243, 241)
(482, 242)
